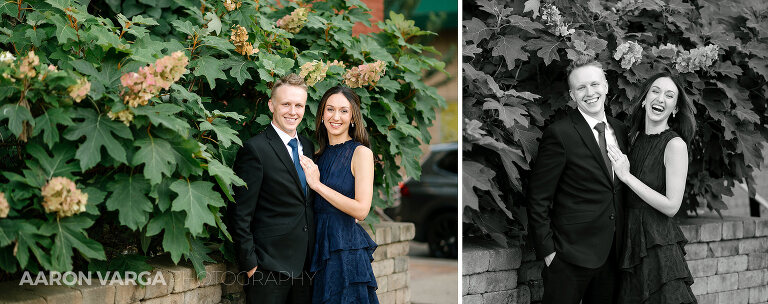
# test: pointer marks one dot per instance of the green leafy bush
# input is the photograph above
(516, 55)
(138, 108)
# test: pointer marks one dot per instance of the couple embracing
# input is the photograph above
(294, 224)
(602, 220)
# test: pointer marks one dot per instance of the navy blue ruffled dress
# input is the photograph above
(653, 265)
(343, 250)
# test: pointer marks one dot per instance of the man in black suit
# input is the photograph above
(272, 221)
(575, 201)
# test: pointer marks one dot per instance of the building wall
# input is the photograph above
(377, 14)
(446, 125)
(738, 203)
(446, 128)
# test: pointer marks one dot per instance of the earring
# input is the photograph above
(673, 114)
(322, 120)
(353, 124)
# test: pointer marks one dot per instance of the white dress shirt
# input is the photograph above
(286, 138)
(610, 137)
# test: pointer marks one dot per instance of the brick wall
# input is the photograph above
(390, 263)
(491, 274)
(727, 258)
(220, 285)
(377, 14)
(181, 287)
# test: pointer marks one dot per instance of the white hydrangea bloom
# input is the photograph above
(6, 57)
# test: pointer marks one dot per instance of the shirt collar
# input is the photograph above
(591, 121)
(284, 136)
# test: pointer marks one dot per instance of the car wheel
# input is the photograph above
(442, 236)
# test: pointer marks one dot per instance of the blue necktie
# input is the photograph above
(295, 150)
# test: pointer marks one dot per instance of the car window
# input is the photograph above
(449, 162)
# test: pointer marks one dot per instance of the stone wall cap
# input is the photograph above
(713, 218)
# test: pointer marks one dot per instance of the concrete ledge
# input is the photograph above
(711, 228)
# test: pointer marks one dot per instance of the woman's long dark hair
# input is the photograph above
(683, 122)
(358, 132)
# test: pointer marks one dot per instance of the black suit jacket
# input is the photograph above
(575, 208)
(272, 223)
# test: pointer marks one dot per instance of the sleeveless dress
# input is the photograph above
(343, 250)
(653, 265)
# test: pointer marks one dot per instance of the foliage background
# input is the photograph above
(159, 184)
(515, 85)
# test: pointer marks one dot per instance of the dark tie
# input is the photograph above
(600, 127)
(295, 151)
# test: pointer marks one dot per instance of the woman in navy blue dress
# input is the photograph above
(343, 181)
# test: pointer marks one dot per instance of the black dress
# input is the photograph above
(653, 266)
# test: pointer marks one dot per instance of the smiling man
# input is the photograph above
(272, 221)
(575, 202)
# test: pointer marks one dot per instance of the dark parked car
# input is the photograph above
(432, 202)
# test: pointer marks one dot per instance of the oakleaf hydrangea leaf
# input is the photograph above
(129, 198)
(98, 130)
(194, 199)
(211, 68)
(60, 164)
(28, 239)
(163, 115)
(225, 176)
(46, 123)
(225, 134)
(16, 115)
(198, 255)
(511, 48)
(175, 236)
(155, 157)
(69, 233)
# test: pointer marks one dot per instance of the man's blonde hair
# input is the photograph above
(583, 62)
(290, 79)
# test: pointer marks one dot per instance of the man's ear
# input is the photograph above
(570, 93)
(271, 106)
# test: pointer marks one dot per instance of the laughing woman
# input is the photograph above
(652, 262)
(343, 180)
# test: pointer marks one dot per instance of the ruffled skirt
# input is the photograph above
(342, 261)
(653, 263)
